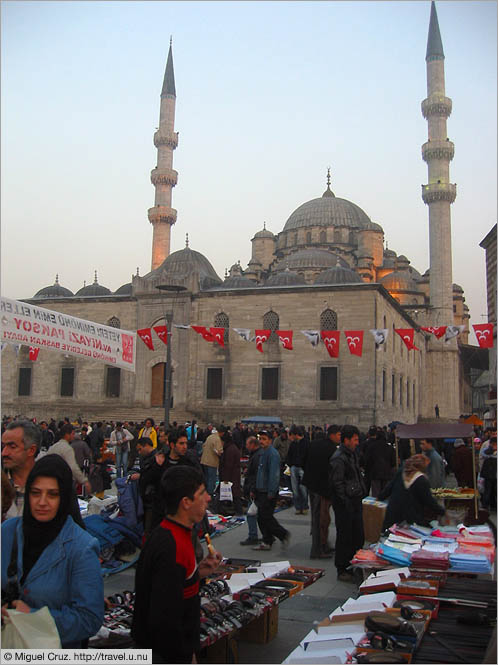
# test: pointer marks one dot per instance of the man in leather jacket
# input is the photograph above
(347, 490)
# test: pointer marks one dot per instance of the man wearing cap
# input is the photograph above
(267, 486)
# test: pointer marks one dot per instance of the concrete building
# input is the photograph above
(329, 268)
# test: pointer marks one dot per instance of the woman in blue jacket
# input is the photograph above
(57, 561)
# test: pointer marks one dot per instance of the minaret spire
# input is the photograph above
(439, 194)
(162, 216)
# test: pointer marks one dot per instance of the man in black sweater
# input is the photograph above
(316, 479)
(166, 616)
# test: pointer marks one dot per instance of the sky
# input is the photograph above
(269, 94)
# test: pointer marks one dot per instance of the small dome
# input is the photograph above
(237, 282)
(389, 252)
(54, 291)
(285, 278)
(264, 233)
(310, 258)
(399, 280)
(183, 263)
(94, 289)
(124, 290)
(338, 275)
(457, 288)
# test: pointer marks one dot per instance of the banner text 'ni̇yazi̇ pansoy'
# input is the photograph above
(23, 323)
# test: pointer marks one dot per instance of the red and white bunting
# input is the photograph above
(331, 340)
(162, 333)
(33, 353)
(204, 332)
(484, 334)
(261, 337)
(285, 337)
(407, 335)
(218, 335)
(145, 335)
(438, 332)
(354, 339)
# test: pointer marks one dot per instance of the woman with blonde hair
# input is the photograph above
(410, 497)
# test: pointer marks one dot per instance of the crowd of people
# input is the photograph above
(48, 558)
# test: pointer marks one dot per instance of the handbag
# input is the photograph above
(226, 491)
(30, 630)
(253, 509)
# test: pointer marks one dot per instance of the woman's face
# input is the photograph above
(44, 498)
(148, 423)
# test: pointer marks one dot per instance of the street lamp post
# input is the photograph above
(168, 317)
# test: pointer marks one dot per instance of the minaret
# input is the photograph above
(442, 364)
(162, 216)
(439, 193)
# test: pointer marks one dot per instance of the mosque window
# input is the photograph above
(385, 328)
(383, 385)
(323, 237)
(214, 382)
(328, 320)
(407, 393)
(328, 383)
(413, 396)
(308, 237)
(271, 321)
(114, 322)
(67, 381)
(270, 379)
(351, 238)
(393, 389)
(112, 381)
(294, 239)
(24, 385)
(221, 320)
(337, 235)
(401, 391)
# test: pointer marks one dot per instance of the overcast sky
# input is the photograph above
(269, 94)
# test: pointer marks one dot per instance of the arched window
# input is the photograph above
(385, 328)
(323, 236)
(337, 235)
(271, 321)
(221, 320)
(294, 239)
(328, 320)
(308, 237)
(114, 322)
(351, 238)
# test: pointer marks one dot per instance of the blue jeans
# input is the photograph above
(252, 525)
(121, 461)
(299, 491)
(210, 476)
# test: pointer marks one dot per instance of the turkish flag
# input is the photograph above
(261, 338)
(162, 333)
(354, 339)
(218, 335)
(331, 340)
(145, 335)
(438, 332)
(484, 334)
(285, 336)
(33, 353)
(407, 335)
(202, 330)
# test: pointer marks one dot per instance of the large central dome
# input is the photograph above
(327, 211)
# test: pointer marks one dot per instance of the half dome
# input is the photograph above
(238, 282)
(338, 275)
(285, 278)
(310, 259)
(399, 280)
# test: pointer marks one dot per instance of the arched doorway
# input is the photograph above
(157, 385)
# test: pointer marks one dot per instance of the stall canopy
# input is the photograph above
(434, 431)
(473, 420)
(264, 420)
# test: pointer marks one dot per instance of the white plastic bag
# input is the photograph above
(226, 492)
(33, 630)
(253, 509)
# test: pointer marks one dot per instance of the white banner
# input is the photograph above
(27, 324)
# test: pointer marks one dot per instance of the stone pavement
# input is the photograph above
(296, 614)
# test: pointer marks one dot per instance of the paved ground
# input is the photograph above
(296, 614)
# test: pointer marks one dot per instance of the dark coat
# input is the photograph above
(461, 463)
(412, 505)
(297, 452)
(252, 471)
(316, 467)
(379, 460)
(347, 487)
(229, 469)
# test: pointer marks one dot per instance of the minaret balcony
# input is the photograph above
(164, 177)
(437, 149)
(161, 215)
(436, 105)
(439, 191)
(168, 139)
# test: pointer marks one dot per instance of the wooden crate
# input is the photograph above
(261, 630)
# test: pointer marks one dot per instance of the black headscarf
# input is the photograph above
(38, 535)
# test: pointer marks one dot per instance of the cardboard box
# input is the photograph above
(373, 517)
(261, 630)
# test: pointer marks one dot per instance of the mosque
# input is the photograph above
(329, 268)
